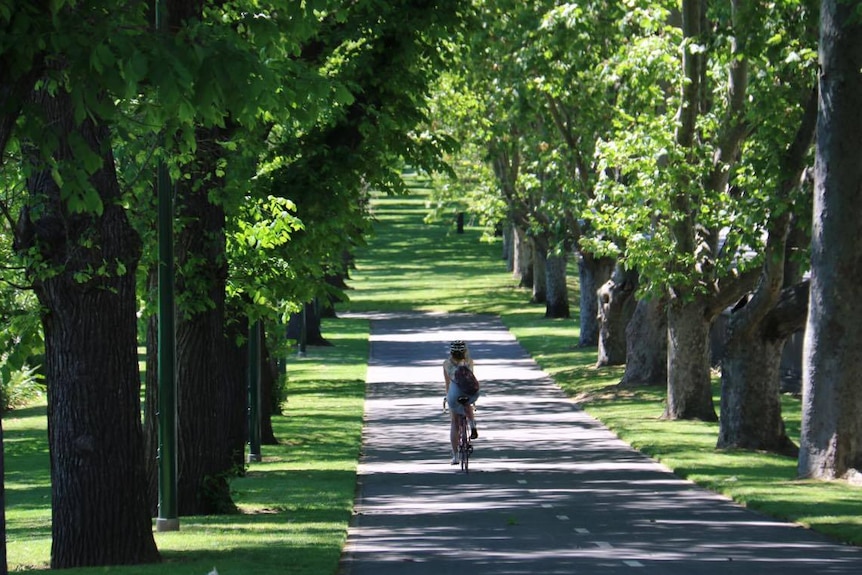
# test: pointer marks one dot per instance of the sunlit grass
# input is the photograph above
(295, 504)
(432, 268)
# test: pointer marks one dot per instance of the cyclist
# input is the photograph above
(458, 355)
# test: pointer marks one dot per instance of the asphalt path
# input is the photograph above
(550, 490)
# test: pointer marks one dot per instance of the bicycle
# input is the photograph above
(465, 447)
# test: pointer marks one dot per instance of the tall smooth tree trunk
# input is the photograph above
(523, 258)
(100, 513)
(557, 303)
(236, 384)
(508, 246)
(831, 441)
(540, 275)
(593, 273)
(689, 388)
(646, 344)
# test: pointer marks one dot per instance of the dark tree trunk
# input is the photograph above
(750, 378)
(593, 273)
(268, 377)
(831, 442)
(646, 344)
(540, 275)
(100, 512)
(557, 303)
(459, 223)
(236, 385)
(616, 307)
(312, 334)
(204, 460)
(689, 389)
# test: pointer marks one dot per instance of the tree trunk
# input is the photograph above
(268, 377)
(540, 275)
(508, 246)
(689, 389)
(616, 307)
(523, 259)
(204, 459)
(831, 442)
(557, 304)
(751, 378)
(236, 384)
(100, 512)
(646, 344)
(593, 273)
(312, 335)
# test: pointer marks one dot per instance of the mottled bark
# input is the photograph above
(616, 305)
(689, 389)
(593, 272)
(100, 512)
(557, 303)
(523, 259)
(750, 378)
(831, 441)
(646, 344)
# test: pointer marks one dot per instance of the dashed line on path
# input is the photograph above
(603, 545)
(522, 481)
(563, 517)
(547, 506)
(633, 563)
(582, 531)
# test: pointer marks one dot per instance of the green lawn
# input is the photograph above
(297, 503)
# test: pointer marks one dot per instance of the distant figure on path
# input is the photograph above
(459, 356)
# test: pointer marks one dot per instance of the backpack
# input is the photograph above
(465, 380)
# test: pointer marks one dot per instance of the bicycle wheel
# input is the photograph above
(464, 445)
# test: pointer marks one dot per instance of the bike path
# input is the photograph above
(550, 490)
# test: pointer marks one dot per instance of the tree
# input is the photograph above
(832, 398)
(83, 263)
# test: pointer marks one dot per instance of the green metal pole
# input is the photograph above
(168, 519)
(254, 391)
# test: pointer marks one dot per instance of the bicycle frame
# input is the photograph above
(465, 448)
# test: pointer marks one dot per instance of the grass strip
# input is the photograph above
(412, 265)
(295, 505)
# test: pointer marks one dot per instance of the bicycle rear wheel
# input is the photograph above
(464, 445)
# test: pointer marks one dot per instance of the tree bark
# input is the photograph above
(204, 459)
(540, 275)
(758, 331)
(751, 379)
(616, 306)
(523, 255)
(268, 376)
(831, 441)
(236, 382)
(689, 388)
(646, 344)
(311, 319)
(593, 273)
(100, 512)
(557, 304)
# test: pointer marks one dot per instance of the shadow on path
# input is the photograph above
(550, 489)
